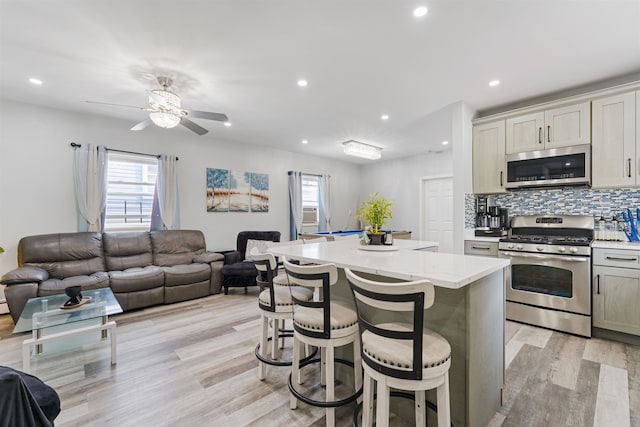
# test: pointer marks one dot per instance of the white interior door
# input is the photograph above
(437, 212)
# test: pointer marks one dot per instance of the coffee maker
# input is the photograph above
(491, 221)
(483, 221)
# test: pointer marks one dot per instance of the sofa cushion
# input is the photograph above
(176, 247)
(186, 274)
(64, 254)
(127, 250)
(57, 286)
(136, 279)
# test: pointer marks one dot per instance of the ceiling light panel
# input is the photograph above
(384, 117)
(302, 83)
(494, 83)
(359, 149)
(35, 81)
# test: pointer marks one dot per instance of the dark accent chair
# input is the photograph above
(25, 400)
(237, 272)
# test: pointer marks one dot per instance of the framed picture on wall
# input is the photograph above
(217, 190)
(259, 192)
(239, 191)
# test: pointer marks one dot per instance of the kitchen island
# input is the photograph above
(468, 311)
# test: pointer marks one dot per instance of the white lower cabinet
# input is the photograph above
(616, 290)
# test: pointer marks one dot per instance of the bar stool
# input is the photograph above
(276, 306)
(404, 356)
(325, 324)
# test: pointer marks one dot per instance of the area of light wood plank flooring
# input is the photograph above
(193, 363)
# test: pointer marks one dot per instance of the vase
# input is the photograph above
(375, 239)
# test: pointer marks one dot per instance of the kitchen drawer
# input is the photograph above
(617, 258)
(476, 247)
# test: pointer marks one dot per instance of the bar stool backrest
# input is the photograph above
(410, 297)
(322, 277)
(267, 268)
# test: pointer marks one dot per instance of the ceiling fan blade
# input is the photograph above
(143, 124)
(116, 105)
(193, 126)
(207, 115)
(156, 98)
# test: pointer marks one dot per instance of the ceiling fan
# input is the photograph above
(165, 110)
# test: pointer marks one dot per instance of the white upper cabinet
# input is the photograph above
(525, 133)
(615, 145)
(557, 127)
(488, 158)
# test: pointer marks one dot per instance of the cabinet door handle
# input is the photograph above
(540, 135)
(480, 247)
(598, 284)
(629, 165)
(548, 133)
(615, 258)
(501, 172)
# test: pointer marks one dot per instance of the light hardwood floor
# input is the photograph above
(193, 364)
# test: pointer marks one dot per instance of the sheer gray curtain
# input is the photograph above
(90, 178)
(166, 204)
(295, 204)
(324, 200)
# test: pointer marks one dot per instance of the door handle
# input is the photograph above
(479, 247)
(548, 133)
(629, 164)
(501, 172)
(598, 284)
(540, 135)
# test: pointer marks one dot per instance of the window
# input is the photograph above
(309, 199)
(131, 181)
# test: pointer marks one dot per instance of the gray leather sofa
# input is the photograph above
(142, 268)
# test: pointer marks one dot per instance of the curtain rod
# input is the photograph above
(305, 173)
(75, 145)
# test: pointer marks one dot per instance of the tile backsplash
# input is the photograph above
(564, 200)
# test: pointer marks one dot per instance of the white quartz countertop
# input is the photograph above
(444, 270)
(603, 244)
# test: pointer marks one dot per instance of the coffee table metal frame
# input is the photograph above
(39, 322)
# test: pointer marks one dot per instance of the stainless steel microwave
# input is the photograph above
(553, 167)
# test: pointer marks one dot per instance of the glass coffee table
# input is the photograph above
(48, 322)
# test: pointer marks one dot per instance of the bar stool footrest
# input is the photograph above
(322, 403)
(272, 362)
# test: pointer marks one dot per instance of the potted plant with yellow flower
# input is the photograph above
(374, 212)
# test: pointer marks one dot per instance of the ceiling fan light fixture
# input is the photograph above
(164, 119)
(165, 114)
(359, 149)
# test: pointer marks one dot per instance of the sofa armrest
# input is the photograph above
(232, 257)
(24, 275)
(208, 257)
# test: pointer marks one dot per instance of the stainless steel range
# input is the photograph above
(550, 273)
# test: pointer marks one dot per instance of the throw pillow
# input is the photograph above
(260, 245)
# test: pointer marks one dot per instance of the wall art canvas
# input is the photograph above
(239, 191)
(259, 192)
(217, 190)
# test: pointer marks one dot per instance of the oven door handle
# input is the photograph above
(535, 256)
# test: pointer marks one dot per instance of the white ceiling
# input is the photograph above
(362, 58)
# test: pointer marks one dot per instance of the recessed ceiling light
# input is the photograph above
(445, 142)
(304, 141)
(420, 11)
(493, 83)
(384, 117)
(35, 81)
(302, 83)
(227, 124)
